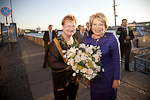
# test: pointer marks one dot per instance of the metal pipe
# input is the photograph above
(11, 11)
(115, 15)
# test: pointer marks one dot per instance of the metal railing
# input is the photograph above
(142, 63)
(139, 51)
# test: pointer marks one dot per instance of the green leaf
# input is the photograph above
(99, 63)
(89, 55)
(94, 51)
(90, 64)
(73, 55)
(78, 66)
(82, 49)
(77, 44)
(81, 63)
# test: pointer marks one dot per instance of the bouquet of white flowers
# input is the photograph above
(84, 60)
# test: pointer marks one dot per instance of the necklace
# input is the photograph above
(96, 39)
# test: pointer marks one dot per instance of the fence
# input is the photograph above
(142, 63)
(141, 59)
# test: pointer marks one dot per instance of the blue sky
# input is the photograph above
(30, 14)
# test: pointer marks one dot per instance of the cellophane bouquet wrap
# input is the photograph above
(84, 60)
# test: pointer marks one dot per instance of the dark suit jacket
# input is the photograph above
(46, 38)
(123, 33)
(79, 38)
(90, 32)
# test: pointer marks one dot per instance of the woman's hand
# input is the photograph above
(116, 84)
(68, 68)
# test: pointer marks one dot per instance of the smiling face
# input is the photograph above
(69, 28)
(98, 27)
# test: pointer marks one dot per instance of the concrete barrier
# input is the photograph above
(36, 40)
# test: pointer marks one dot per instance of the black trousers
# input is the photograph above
(46, 57)
(70, 91)
(126, 50)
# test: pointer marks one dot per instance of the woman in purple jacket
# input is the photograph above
(104, 87)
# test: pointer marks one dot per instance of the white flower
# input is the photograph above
(68, 63)
(91, 46)
(77, 58)
(84, 75)
(77, 48)
(89, 50)
(68, 54)
(95, 66)
(98, 68)
(89, 71)
(99, 52)
(74, 68)
(82, 45)
(84, 70)
(77, 71)
(73, 50)
(79, 52)
(89, 58)
(74, 74)
(64, 51)
(96, 60)
(89, 77)
(71, 62)
(65, 56)
(86, 64)
(83, 56)
(93, 75)
(95, 55)
(98, 47)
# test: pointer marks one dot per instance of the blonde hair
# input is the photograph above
(70, 18)
(101, 17)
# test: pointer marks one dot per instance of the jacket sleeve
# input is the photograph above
(131, 35)
(56, 61)
(118, 31)
(46, 38)
(115, 52)
(76, 36)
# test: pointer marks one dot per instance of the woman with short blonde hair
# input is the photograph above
(101, 17)
(104, 87)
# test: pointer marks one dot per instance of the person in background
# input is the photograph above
(137, 42)
(56, 32)
(48, 38)
(104, 87)
(125, 37)
(63, 82)
(78, 28)
(79, 35)
(88, 30)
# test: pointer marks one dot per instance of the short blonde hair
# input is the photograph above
(69, 17)
(101, 17)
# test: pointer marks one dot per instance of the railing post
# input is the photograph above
(134, 64)
(145, 66)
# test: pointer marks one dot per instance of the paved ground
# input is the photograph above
(13, 79)
(32, 81)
